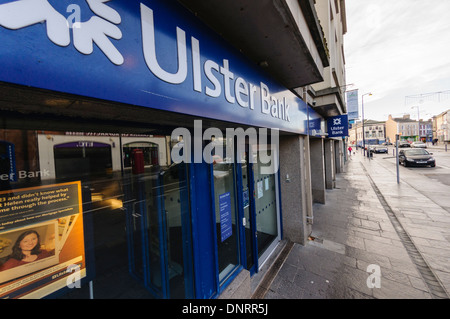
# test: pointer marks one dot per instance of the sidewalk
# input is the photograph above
(440, 146)
(371, 223)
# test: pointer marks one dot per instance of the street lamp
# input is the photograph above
(363, 133)
(418, 111)
(418, 122)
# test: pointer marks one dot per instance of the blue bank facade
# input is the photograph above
(139, 150)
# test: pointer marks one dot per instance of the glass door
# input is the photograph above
(226, 220)
(174, 197)
(266, 201)
(248, 220)
(160, 234)
(246, 208)
(225, 207)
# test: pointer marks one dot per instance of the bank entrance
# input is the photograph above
(137, 224)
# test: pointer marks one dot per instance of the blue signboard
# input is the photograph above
(315, 123)
(226, 228)
(337, 126)
(150, 53)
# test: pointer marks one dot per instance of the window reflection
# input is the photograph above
(135, 221)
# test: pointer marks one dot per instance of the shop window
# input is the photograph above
(98, 230)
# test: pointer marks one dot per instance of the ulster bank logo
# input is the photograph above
(337, 121)
(102, 25)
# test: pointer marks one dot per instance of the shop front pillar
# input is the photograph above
(317, 170)
(330, 168)
(295, 189)
(339, 155)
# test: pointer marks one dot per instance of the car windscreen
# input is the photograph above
(416, 152)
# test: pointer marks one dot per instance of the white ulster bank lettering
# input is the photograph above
(245, 92)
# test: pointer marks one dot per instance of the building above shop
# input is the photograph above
(282, 36)
(327, 97)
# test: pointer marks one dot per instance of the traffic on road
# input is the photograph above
(430, 161)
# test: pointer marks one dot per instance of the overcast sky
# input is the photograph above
(397, 49)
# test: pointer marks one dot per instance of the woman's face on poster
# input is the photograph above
(29, 242)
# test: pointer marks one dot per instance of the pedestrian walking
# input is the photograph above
(350, 151)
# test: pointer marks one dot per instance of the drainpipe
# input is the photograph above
(307, 164)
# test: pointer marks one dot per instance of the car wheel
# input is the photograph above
(405, 164)
(433, 165)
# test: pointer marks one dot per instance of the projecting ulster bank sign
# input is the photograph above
(337, 126)
(148, 53)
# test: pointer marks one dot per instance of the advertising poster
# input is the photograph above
(41, 240)
(246, 198)
(352, 105)
(226, 229)
(259, 185)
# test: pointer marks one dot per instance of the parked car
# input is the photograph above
(404, 144)
(416, 157)
(381, 149)
(419, 145)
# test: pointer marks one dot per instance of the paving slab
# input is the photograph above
(356, 249)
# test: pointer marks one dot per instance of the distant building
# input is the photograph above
(374, 133)
(441, 127)
(407, 128)
(425, 130)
